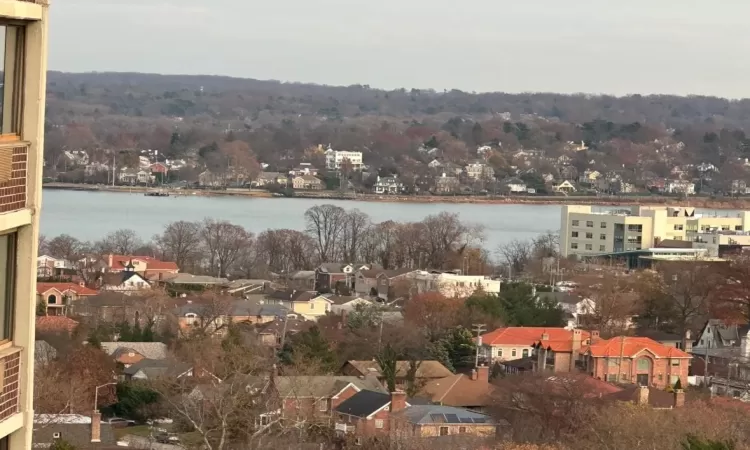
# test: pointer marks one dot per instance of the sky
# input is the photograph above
(593, 46)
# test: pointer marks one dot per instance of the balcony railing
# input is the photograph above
(13, 172)
(345, 428)
(10, 364)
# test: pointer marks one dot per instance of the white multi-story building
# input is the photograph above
(453, 285)
(586, 232)
(334, 159)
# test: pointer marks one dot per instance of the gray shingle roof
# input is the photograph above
(433, 414)
(77, 433)
(154, 368)
(149, 350)
(322, 386)
(364, 403)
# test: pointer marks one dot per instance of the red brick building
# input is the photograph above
(636, 360)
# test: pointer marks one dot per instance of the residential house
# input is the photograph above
(451, 284)
(514, 186)
(512, 343)
(589, 176)
(668, 339)
(479, 171)
(95, 168)
(718, 334)
(159, 168)
(739, 187)
(48, 266)
(267, 178)
(426, 371)
(79, 431)
(561, 355)
(343, 304)
(144, 265)
(379, 283)
(307, 304)
(370, 414)
(328, 275)
(55, 325)
(434, 164)
(564, 187)
(304, 169)
(574, 306)
(215, 317)
(472, 391)
(129, 353)
(126, 282)
(307, 182)
(185, 282)
(635, 360)
(318, 396)
(388, 185)
(57, 297)
(680, 187)
(127, 176)
(302, 279)
(77, 157)
(446, 184)
(272, 333)
(116, 307)
(151, 369)
(241, 287)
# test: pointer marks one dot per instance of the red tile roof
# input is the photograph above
(630, 347)
(55, 324)
(121, 261)
(558, 338)
(41, 288)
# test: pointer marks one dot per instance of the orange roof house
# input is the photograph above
(559, 352)
(637, 360)
(56, 297)
(55, 324)
(513, 343)
(141, 264)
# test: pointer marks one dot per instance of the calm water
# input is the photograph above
(91, 215)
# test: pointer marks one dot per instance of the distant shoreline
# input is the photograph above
(698, 202)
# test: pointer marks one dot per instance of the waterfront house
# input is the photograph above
(266, 178)
(446, 184)
(307, 182)
(388, 185)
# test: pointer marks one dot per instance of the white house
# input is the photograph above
(680, 187)
(478, 170)
(388, 185)
(346, 303)
(127, 282)
(452, 285)
(515, 186)
(434, 164)
(575, 306)
(334, 159)
(47, 266)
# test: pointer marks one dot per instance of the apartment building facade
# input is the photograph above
(24, 24)
(334, 159)
(584, 231)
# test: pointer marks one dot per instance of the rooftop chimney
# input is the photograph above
(398, 401)
(594, 335)
(96, 426)
(575, 346)
(687, 342)
(545, 336)
(643, 395)
(483, 373)
(679, 398)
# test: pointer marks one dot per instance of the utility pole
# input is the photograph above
(478, 328)
(622, 352)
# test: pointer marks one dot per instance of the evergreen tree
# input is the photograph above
(310, 346)
(387, 359)
(136, 334)
(148, 334)
(124, 331)
(460, 348)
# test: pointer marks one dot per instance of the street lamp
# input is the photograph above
(96, 394)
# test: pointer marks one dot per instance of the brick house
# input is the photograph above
(327, 275)
(561, 355)
(368, 413)
(378, 282)
(636, 360)
(58, 297)
(316, 397)
(472, 391)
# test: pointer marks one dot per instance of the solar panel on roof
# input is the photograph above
(466, 420)
(480, 420)
(451, 418)
(437, 418)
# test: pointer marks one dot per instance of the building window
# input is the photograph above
(610, 377)
(573, 245)
(589, 247)
(678, 227)
(673, 379)
(604, 225)
(601, 248)
(643, 364)
(500, 352)
(513, 353)
(7, 282)
(52, 299)
(637, 228)
(603, 237)
(378, 423)
(574, 234)
(525, 352)
(312, 306)
(574, 223)
(590, 223)
(11, 79)
(738, 228)
(323, 406)
(675, 362)
(462, 430)
(589, 235)
(443, 431)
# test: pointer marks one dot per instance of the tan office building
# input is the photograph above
(24, 28)
(586, 232)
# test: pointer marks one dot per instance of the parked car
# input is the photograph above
(119, 422)
(167, 438)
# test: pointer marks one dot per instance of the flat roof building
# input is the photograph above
(586, 232)
(24, 27)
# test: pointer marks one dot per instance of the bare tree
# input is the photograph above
(283, 251)
(325, 224)
(121, 242)
(181, 242)
(356, 225)
(66, 247)
(517, 254)
(224, 243)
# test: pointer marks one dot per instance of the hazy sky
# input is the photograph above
(596, 46)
